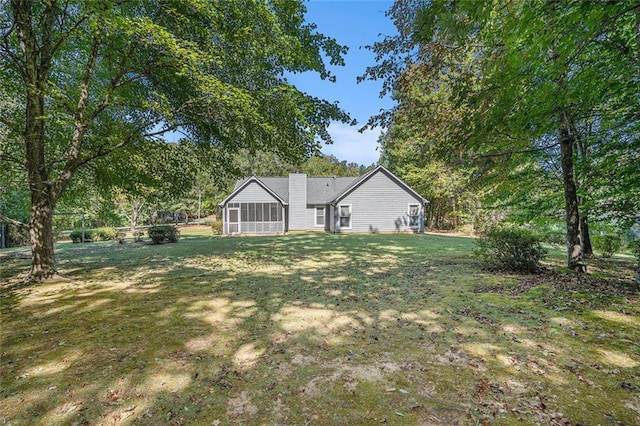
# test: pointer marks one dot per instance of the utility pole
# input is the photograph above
(199, 202)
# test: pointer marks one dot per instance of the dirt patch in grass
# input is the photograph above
(313, 329)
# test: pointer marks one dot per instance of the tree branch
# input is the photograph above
(114, 84)
(7, 157)
(7, 52)
(509, 153)
(46, 51)
(13, 222)
(81, 124)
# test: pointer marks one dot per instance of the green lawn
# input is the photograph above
(314, 329)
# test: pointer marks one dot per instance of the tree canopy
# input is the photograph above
(517, 92)
(85, 81)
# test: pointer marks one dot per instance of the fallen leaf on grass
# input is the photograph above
(630, 386)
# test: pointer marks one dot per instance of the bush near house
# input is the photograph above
(163, 234)
(76, 235)
(513, 249)
(104, 234)
(99, 234)
(216, 227)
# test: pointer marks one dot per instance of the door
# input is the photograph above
(234, 221)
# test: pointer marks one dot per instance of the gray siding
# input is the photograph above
(311, 218)
(378, 205)
(253, 193)
(332, 218)
(297, 202)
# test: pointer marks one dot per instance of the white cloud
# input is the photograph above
(353, 146)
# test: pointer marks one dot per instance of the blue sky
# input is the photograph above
(354, 24)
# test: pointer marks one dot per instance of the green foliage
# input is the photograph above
(91, 89)
(14, 236)
(328, 165)
(510, 248)
(76, 235)
(451, 201)
(104, 234)
(163, 234)
(607, 244)
(216, 227)
(553, 234)
(489, 87)
(98, 234)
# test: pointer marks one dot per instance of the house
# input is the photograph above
(377, 201)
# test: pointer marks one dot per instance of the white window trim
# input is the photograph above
(409, 214)
(315, 215)
(350, 216)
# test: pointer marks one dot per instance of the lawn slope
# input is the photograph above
(313, 329)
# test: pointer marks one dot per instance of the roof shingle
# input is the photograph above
(320, 190)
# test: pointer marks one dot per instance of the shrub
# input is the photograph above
(514, 249)
(607, 244)
(104, 234)
(137, 236)
(122, 237)
(216, 227)
(163, 234)
(76, 235)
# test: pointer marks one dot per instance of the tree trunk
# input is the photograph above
(42, 198)
(587, 248)
(36, 62)
(638, 268)
(41, 236)
(136, 212)
(574, 246)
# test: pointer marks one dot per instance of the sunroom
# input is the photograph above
(254, 218)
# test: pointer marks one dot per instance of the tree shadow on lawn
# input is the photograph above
(305, 328)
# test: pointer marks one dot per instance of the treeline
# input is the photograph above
(183, 189)
(521, 111)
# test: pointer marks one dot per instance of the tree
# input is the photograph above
(329, 165)
(84, 80)
(539, 70)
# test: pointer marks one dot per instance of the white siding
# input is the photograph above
(379, 204)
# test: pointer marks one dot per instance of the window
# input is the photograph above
(244, 212)
(345, 216)
(259, 212)
(319, 216)
(414, 215)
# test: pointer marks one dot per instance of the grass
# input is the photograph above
(314, 329)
